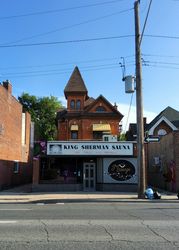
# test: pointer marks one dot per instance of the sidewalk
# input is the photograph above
(22, 194)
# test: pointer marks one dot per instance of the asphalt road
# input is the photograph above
(90, 225)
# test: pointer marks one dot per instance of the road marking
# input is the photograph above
(40, 204)
(15, 209)
(60, 203)
(7, 221)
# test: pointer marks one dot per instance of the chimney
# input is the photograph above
(8, 86)
(115, 105)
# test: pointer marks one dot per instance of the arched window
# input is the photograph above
(72, 104)
(162, 132)
(100, 109)
(78, 104)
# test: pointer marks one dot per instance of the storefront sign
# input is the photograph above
(121, 170)
(89, 148)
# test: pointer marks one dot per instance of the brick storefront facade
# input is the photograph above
(87, 155)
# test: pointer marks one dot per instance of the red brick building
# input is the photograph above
(15, 152)
(87, 154)
(86, 118)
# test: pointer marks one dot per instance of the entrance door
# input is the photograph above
(89, 176)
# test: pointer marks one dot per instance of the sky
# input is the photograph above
(43, 40)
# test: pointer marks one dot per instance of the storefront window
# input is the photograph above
(62, 171)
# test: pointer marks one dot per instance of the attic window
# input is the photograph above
(100, 109)
(162, 132)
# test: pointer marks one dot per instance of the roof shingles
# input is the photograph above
(75, 83)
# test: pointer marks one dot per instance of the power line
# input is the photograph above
(164, 67)
(58, 70)
(52, 71)
(163, 36)
(64, 72)
(160, 62)
(59, 10)
(82, 40)
(145, 21)
(69, 63)
(71, 26)
(65, 42)
(130, 105)
(159, 55)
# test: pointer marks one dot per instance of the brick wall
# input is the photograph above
(86, 119)
(10, 120)
(85, 127)
(11, 147)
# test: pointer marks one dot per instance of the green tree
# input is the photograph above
(43, 113)
(122, 137)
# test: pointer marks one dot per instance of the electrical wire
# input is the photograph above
(60, 71)
(82, 40)
(70, 63)
(142, 34)
(59, 64)
(160, 62)
(159, 55)
(159, 66)
(130, 105)
(70, 26)
(59, 10)
(65, 42)
(163, 36)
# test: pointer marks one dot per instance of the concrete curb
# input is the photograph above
(35, 197)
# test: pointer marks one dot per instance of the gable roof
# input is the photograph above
(89, 101)
(106, 101)
(170, 114)
(162, 119)
(75, 83)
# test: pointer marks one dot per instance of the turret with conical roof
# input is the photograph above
(75, 83)
(75, 91)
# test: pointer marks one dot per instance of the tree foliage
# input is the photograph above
(122, 137)
(43, 113)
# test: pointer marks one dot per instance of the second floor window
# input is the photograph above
(78, 104)
(72, 104)
(74, 135)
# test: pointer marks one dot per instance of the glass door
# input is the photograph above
(89, 177)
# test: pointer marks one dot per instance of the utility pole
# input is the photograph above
(139, 108)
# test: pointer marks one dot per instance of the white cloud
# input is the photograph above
(63, 100)
(124, 109)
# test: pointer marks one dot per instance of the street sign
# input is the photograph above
(152, 139)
